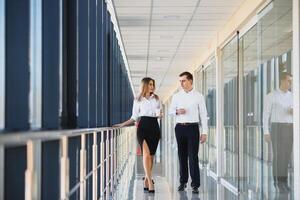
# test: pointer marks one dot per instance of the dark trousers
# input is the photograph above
(282, 146)
(188, 137)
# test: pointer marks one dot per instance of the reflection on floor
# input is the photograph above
(209, 190)
(162, 191)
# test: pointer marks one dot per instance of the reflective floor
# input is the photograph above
(165, 174)
(209, 190)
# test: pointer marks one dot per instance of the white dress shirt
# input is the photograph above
(194, 104)
(276, 106)
(145, 107)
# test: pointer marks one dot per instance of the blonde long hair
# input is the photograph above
(144, 87)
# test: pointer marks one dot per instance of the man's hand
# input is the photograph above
(290, 110)
(203, 138)
(180, 111)
(267, 137)
(161, 115)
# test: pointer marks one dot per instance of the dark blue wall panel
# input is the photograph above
(17, 65)
(14, 177)
(100, 65)
(51, 64)
(92, 64)
(50, 170)
(83, 64)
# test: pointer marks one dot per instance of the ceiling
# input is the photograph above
(164, 37)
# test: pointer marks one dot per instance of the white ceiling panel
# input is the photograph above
(164, 37)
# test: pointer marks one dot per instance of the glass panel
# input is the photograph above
(230, 137)
(199, 85)
(35, 63)
(2, 62)
(210, 96)
(276, 46)
(267, 107)
(252, 112)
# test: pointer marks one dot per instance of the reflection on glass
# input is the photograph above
(278, 108)
(199, 85)
(252, 104)
(265, 55)
(35, 63)
(230, 137)
(169, 151)
(2, 62)
(210, 96)
(276, 45)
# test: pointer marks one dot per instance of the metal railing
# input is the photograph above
(113, 146)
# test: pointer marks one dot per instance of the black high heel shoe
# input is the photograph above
(145, 188)
(152, 191)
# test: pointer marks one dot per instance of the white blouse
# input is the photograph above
(145, 107)
(194, 104)
(276, 108)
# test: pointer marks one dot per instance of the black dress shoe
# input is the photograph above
(181, 187)
(195, 190)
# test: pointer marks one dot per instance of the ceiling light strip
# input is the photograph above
(149, 36)
(114, 19)
(181, 39)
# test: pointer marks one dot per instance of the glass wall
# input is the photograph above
(276, 45)
(266, 61)
(210, 97)
(257, 136)
(199, 85)
(257, 149)
(205, 83)
(230, 170)
(252, 106)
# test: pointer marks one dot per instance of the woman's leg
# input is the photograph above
(148, 164)
(152, 160)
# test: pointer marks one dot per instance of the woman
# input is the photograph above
(146, 109)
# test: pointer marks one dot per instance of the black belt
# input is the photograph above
(188, 124)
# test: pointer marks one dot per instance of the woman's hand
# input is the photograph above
(126, 123)
(118, 125)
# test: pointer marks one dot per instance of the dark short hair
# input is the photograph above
(188, 75)
(283, 75)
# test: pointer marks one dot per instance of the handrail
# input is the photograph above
(19, 138)
(113, 146)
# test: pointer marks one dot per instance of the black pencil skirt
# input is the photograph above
(148, 130)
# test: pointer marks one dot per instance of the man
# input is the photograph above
(187, 105)
(278, 108)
